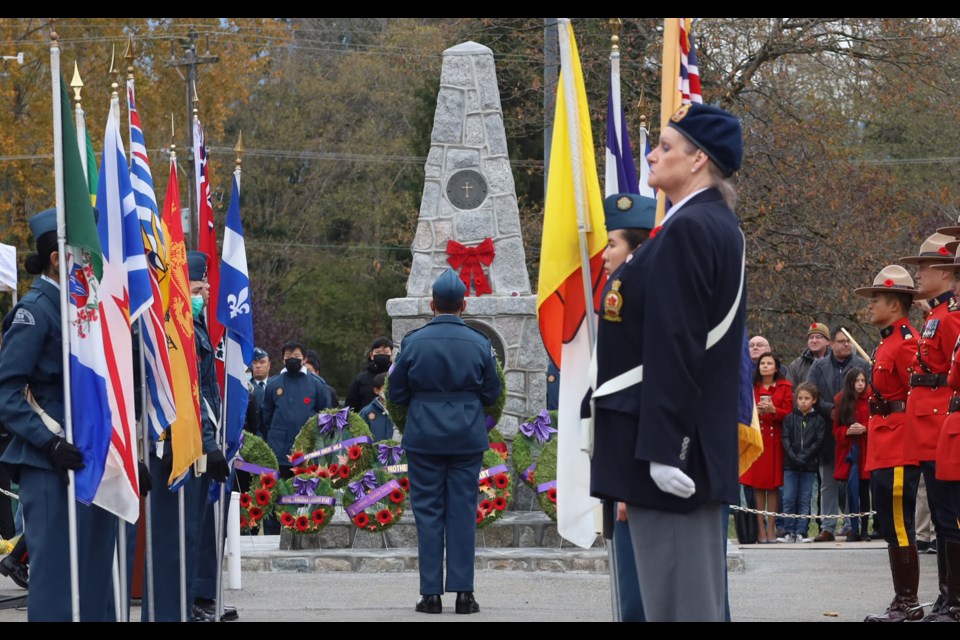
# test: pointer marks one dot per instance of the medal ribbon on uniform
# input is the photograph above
(540, 427)
(385, 452)
(470, 259)
(327, 421)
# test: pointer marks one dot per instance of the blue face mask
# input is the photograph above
(196, 303)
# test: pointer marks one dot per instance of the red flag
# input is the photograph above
(207, 234)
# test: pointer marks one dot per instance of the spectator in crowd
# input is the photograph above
(828, 374)
(374, 413)
(360, 393)
(803, 432)
(926, 533)
(818, 346)
(850, 432)
(758, 346)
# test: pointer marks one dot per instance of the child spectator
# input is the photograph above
(803, 432)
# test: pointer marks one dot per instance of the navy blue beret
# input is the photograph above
(713, 130)
(197, 265)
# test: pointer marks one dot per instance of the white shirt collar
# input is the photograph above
(50, 280)
(677, 206)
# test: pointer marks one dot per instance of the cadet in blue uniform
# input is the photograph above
(671, 336)
(39, 456)
(374, 413)
(445, 374)
(289, 399)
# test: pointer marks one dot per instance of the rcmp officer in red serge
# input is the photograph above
(894, 475)
(446, 374)
(948, 489)
(929, 399)
(666, 443)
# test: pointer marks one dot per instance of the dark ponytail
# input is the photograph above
(39, 262)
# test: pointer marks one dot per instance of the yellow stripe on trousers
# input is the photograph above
(902, 539)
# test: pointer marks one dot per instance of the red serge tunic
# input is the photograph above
(948, 447)
(767, 471)
(841, 469)
(888, 434)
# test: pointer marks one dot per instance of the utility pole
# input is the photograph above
(191, 61)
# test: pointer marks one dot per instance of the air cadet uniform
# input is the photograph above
(445, 373)
(929, 399)
(671, 339)
(894, 474)
(378, 420)
(38, 455)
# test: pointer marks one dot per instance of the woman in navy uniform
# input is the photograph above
(446, 374)
(669, 346)
(39, 456)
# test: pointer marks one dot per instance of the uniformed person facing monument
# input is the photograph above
(673, 339)
(39, 456)
(445, 374)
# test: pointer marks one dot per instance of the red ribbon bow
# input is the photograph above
(470, 259)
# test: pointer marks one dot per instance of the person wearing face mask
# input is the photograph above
(288, 400)
(361, 391)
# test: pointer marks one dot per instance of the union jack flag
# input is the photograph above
(689, 71)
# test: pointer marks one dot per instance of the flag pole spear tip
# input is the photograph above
(76, 83)
(173, 145)
(129, 57)
(54, 37)
(239, 149)
(615, 24)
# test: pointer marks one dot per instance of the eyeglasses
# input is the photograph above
(841, 341)
(754, 345)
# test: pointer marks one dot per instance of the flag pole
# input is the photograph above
(64, 319)
(144, 429)
(579, 186)
(669, 81)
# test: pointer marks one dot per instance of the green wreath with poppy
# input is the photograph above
(381, 513)
(527, 451)
(397, 468)
(340, 464)
(545, 479)
(495, 489)
(316, 509)
(260, 500)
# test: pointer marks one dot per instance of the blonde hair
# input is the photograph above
(720, 182)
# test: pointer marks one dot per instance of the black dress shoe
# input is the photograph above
(16, 571)
(466, 603)
(429, 604)
(209, 607)
(198, 614)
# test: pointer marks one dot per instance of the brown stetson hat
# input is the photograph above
(933, 250)
(892, 279)
(951, 231)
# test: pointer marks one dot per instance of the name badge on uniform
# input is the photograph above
(930, 329)
(612, 302)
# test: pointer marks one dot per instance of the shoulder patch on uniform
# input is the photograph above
(905, 332)
(372, 415)
(279, 391)
(22, 316)
(953, 305)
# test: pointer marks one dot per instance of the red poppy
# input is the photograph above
(943, 251)
(486, 506)
(306, 401)
(813, 326)
(655, 231)
(501, 480)
(499, 503)
(396, 496)
(303, 523)
(322, 473)
(333, 469)
(255, 514)
(355, 452)
(344, 471)
(263, 497)
(552, 495)
(500, 447)
(295, 457)
(319, 516)
(404, 484)
(245, 500)
(243, 522)
(267, 481)
(485, 482)
(384, 517)
(361, 520)
(480, 515)
(312, 468)
(287, 519)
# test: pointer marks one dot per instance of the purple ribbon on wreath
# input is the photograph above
(305, 486)
(327, 421)
(385, 452)
(368, 481)
(540, 427)
(489, 423)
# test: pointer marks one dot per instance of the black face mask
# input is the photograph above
(293, 364)
(381, 362)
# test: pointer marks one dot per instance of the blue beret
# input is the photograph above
(449, 287)
(197, 264)
(43, 222)
(259, 354)
(629, 211)
(715, 131)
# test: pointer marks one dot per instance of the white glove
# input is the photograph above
(671, 480)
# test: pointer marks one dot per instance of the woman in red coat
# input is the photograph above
(850, 416)
(774, 397)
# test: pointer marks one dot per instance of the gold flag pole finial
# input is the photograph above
(615, 24)
(76, 83)
(239, 149)
(173, 134)
(54, 36)
(112, 71)
(129, 57)
(196, 100)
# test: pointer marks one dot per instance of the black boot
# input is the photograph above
(938, 606)
(950, 611)
(16, 565)
(905, 567)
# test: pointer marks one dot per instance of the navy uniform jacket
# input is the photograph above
(209, 386)
(31, 354)
(446, 374)
(677, 287)
(379, 422)
(288, 400)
